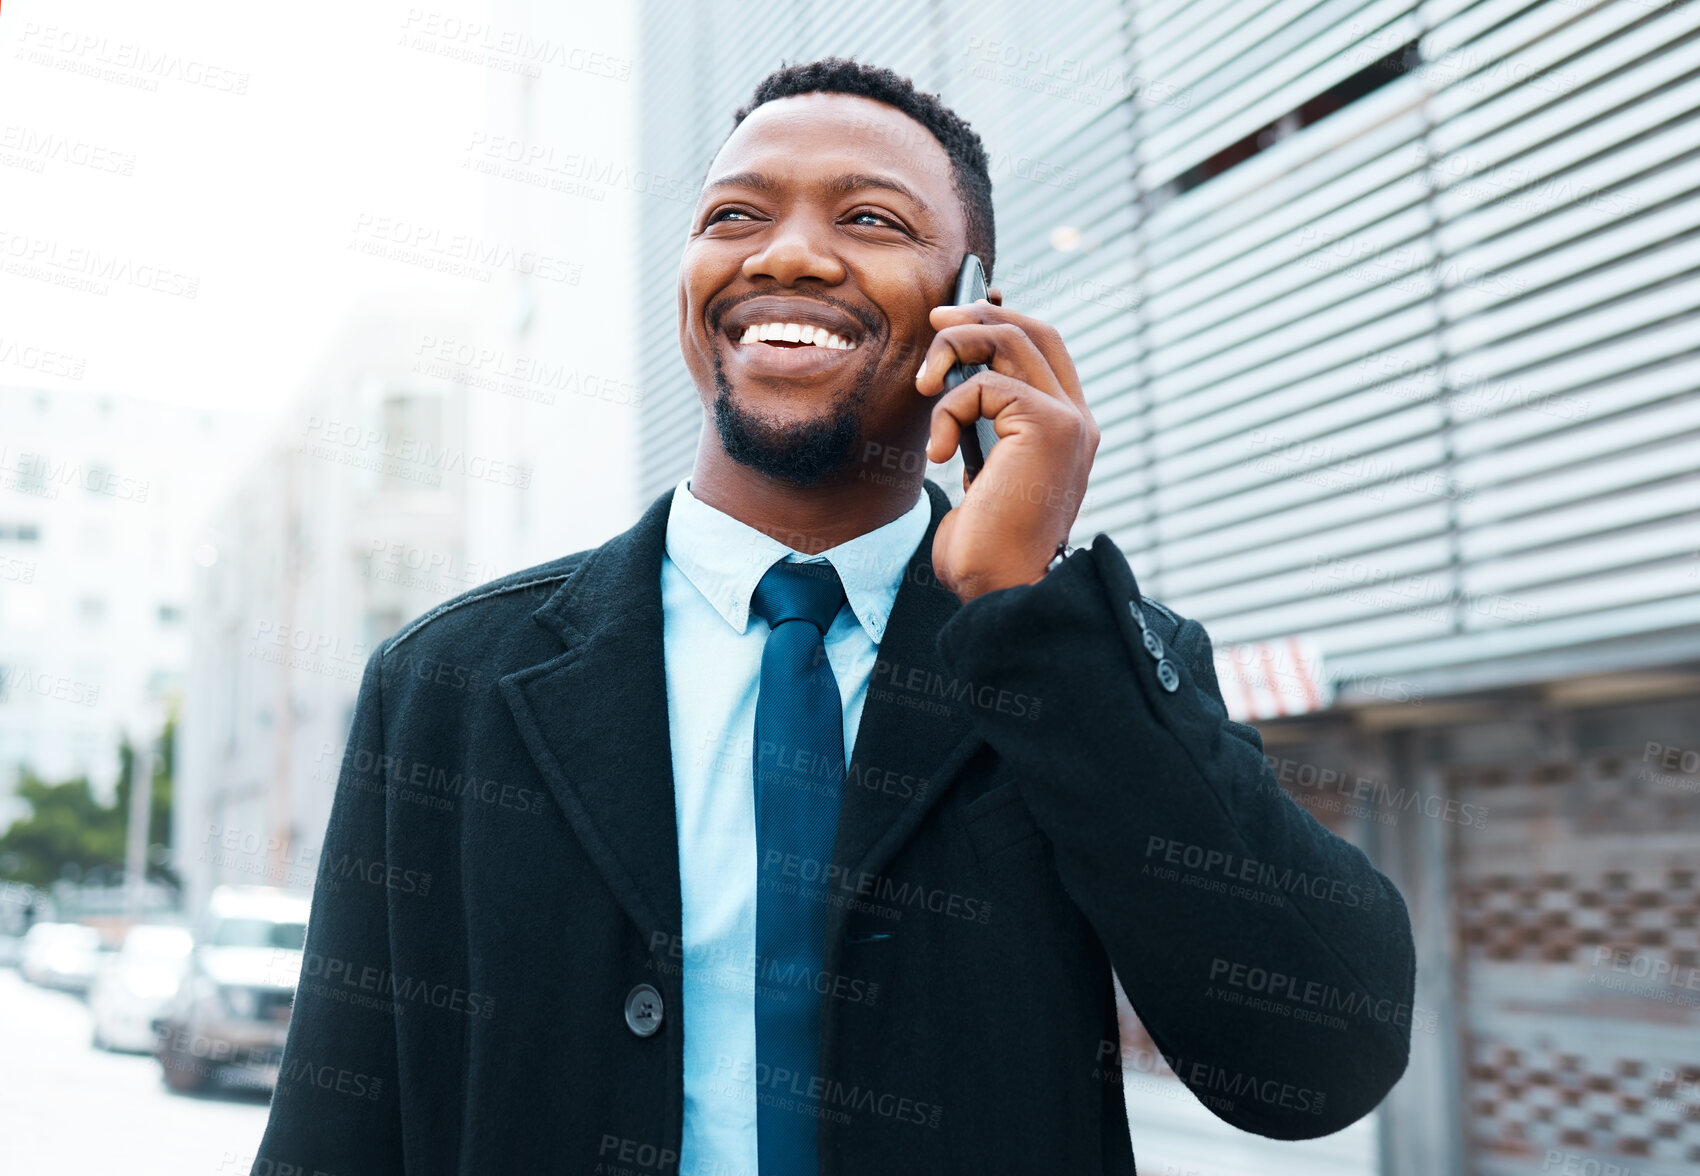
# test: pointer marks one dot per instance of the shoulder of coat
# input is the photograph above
(527, 580)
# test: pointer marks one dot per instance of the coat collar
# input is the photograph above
(594, 720)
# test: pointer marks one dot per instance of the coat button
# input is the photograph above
(643, 1010)
(1153, 644)
(1168, 675)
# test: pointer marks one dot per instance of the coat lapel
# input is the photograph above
(594, 719)
(907, 726)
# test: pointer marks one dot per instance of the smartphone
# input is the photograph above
(977, 442)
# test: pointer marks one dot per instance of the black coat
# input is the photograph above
(1026, 806)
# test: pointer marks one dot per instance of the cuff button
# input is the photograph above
(1168, 675)
(1138, 616)
(1153, 644)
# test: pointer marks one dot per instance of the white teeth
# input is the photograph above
(795, 333)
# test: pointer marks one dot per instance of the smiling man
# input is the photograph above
(800, 827)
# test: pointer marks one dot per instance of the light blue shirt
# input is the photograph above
(713, 659)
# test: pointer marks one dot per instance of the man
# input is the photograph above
(799, 827)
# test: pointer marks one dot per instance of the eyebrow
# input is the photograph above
(840, 185)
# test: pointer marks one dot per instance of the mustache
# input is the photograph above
(718, 311)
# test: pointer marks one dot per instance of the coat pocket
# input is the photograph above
(998, 820)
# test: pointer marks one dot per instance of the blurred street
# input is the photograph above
(68, 1108)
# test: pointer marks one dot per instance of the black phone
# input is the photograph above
(977, 442)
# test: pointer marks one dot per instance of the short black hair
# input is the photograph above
(969, 167)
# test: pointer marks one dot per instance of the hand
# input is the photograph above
(1023, 502)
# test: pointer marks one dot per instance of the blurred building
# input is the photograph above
(434, 449)
(100, 500)
(349, 521)
(1390, 316)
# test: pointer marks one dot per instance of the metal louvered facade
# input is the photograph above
(1420, 378)
(1389, 313)
(1416, 379)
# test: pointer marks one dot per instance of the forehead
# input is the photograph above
(816, 136)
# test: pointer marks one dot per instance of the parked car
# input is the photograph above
(61, 955)
(230, 1015)
(136, 984)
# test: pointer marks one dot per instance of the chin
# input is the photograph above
(803, 451)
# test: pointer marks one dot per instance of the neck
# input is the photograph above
(809, 519)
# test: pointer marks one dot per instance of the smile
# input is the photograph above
(795, 335)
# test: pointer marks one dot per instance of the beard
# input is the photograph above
(803, 454)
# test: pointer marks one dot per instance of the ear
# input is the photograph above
(994, 295)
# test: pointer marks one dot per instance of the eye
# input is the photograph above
(878, 216)
(716, 215)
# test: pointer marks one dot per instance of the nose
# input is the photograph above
(794, 250)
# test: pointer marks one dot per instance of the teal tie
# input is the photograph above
(799, 782)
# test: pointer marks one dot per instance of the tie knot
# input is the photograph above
(808, 592)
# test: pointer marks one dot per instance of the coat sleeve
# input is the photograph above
(336, 1108)
(1272, 965)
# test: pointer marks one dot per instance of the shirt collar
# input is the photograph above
(725, 559)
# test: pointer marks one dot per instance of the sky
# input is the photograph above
(181, 184)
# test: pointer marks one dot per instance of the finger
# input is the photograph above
(1004, 347)
(1010, 403)
(1046, 338)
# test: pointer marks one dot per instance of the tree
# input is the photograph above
(68, 833)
